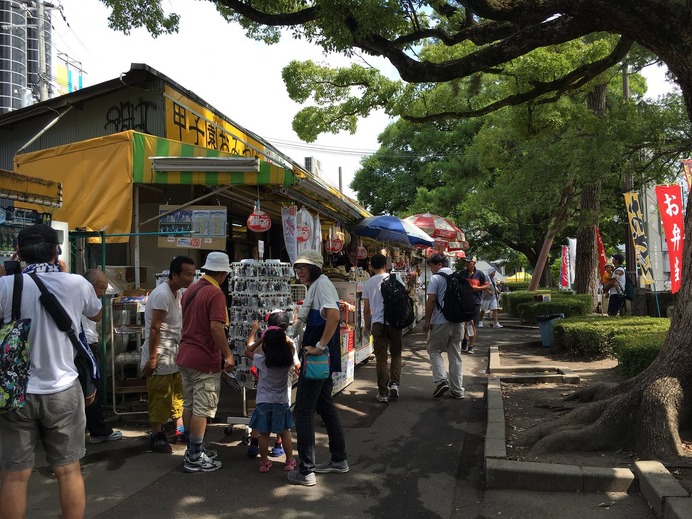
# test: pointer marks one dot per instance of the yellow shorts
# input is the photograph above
(165, 397)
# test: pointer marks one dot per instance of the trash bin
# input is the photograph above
(545, 326)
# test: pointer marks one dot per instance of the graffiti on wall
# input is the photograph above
(127, 115)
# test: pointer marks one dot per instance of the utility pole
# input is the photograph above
(630, 258)
(42, 69)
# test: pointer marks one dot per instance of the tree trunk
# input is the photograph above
(644, 414)
(586, 263)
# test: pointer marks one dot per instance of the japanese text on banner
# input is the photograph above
(638, 233)
(670, 206)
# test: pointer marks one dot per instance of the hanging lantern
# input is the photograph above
(259, 221)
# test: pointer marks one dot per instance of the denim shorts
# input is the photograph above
(271, 418)
(56, 420)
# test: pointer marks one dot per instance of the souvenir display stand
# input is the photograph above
(255, 289)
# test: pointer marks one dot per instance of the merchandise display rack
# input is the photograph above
(255, 288)
(127, 322)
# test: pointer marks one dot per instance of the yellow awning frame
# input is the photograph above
(32, 190)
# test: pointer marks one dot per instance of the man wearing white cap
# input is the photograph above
(202, 354)
(490, 300)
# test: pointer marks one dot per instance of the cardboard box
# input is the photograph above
(541, 298)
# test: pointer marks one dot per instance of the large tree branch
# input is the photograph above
(279, 19)
(521, 42)
(571, 81)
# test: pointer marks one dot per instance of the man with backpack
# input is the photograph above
(379, 300)
(444, 336)
(479, 284)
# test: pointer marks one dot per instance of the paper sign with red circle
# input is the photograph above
(303, 233)
(334, 245)
(259, 221)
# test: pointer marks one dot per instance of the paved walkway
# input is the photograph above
(418, 457)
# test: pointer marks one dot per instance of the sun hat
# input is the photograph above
(491, 270)
(36, 234)
(310, 257)
(217, 262)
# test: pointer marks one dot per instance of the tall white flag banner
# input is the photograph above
(288, 221)
(317, 234)
(572, 244)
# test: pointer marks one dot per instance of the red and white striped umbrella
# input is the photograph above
(447, 235)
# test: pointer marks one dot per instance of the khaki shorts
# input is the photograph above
(165, 397)
(57, 420)
(200, 391)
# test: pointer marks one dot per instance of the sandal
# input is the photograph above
(290, 465)
(265, 466)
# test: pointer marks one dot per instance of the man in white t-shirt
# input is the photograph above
(443, 336)
(386, 339)
(616, 286)
(54, 406)
(489, 300)
(163, 324)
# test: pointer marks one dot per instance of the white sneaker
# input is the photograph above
(497, 325)
(480, 324)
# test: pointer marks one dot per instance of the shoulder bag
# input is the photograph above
(85, 362)
(15, 364)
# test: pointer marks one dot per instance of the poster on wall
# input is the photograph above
(193, 227)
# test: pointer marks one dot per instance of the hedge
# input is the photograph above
(635, 341)
(521, 304)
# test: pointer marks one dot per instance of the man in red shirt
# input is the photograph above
(203, 353)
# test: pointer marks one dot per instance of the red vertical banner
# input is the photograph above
(602, 258)
(564, 269)
(687, 169)
(670, 206)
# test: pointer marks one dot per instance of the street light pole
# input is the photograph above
(630, 258)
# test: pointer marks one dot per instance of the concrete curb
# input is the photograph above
(668, 499)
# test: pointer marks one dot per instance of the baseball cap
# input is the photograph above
(310, 257)
(217, 262)
(472, 258)
(36, 234)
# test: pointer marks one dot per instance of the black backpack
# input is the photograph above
(458, 305)
(629, 291)
(398, 305)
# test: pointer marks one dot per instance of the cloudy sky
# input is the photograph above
(238, 76)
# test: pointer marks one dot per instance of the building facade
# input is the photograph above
(22, 52)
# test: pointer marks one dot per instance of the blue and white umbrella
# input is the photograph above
(390, 229)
